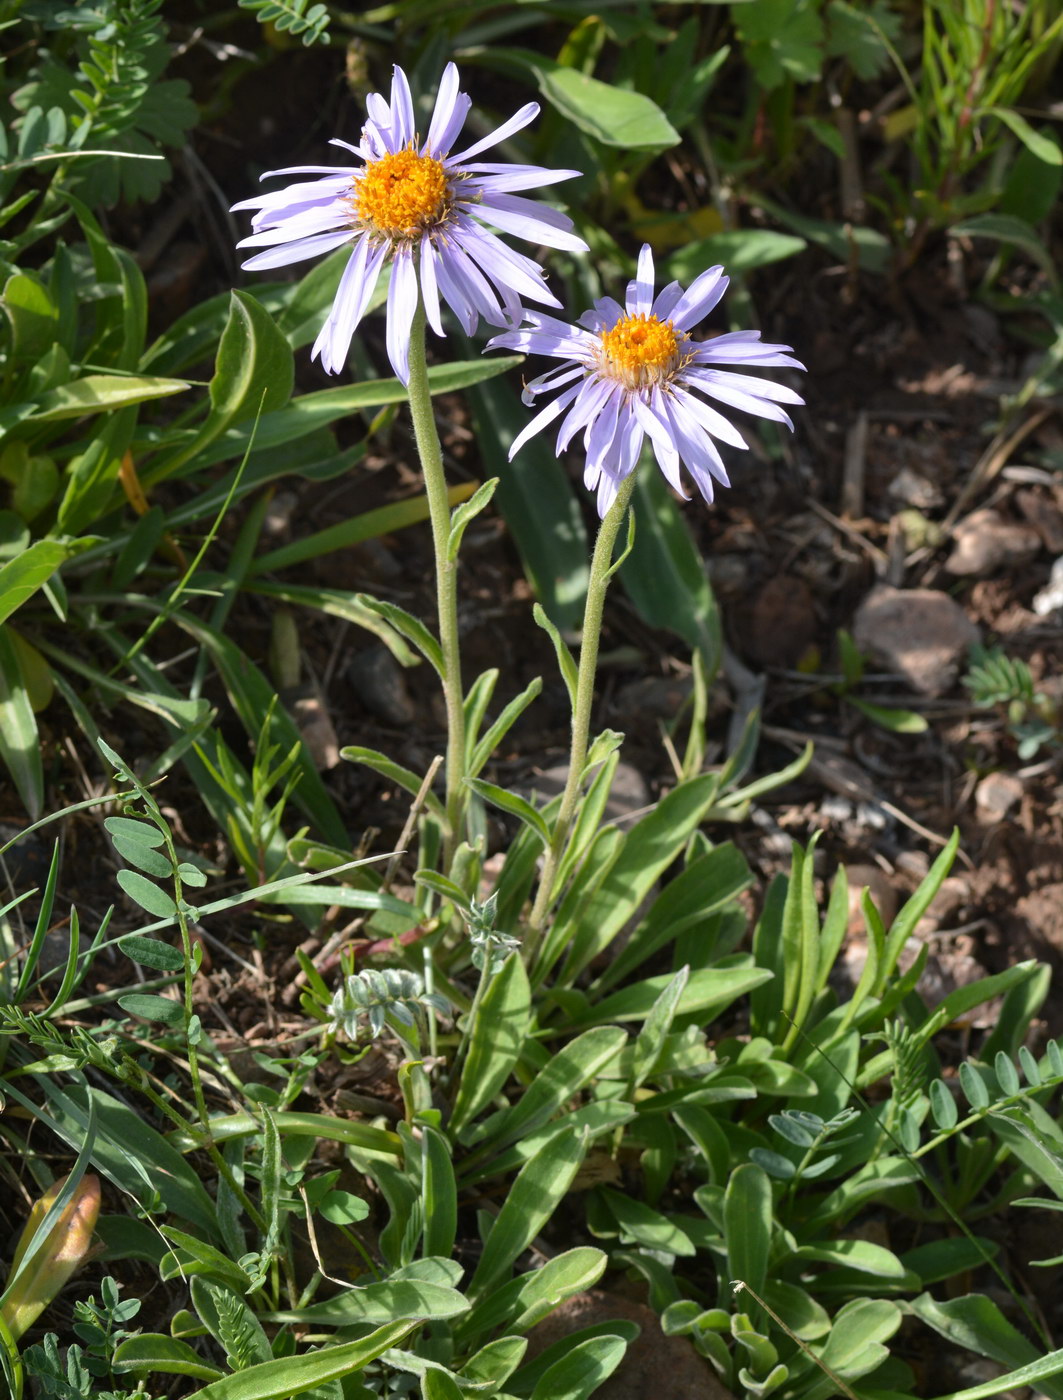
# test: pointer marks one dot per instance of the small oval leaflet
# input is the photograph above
(152, 1008)
(152, 952)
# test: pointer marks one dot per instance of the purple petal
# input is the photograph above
(745, 383)
(699, 298)
(348, 306)
(455, 295)
(429, 289)
(478, 292)
(590, 400)
(402, 306)
(536, 222)
(664, 447)
(299, 251)
(699, 453)
(448, 115)
(603, 316)
(503, 266)
(499, 178)
(527, 114)
(551, 380)
(640, 292)
(542, 418)
(302, 225)
(666, 300)
(714, 423)
(600, 434)
(736, 398)
(403, 123)
(357, 150)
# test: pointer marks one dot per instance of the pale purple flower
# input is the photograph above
(631, 372)
(415, 202)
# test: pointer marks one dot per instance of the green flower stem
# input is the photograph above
(431, 455)
(598, 584)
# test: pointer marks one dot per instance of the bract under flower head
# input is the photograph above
(630, 371)
(414, 202)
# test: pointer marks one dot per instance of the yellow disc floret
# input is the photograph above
(401, 193)
(640, 351)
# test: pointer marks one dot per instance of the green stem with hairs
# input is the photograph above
(597, 586)
(427, 438)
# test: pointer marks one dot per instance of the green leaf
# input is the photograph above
(378, 1302)
(149, 896)
(740, 250)
(20, 744)
(614, 116)
(651, 845)
(975, 1323)
(496, 1039)
(293, 1375)
(708, 991)
(33, 316)
(21, 577)
(440, 1195)
(153, 1008)
(152, 952)
(99, 393)
(394, 772)
(781, 39)
(1006, 228)
(144, 857)
(747, 1227)
(1041, 146)
(582, 1369)
(531, 1201)
(861, 1255)
(524, 1301)
(515, 805)
(893, 720)
(558, 1082)
(154, 1352)
(664, 575)
(641, 1224)
(540, 509)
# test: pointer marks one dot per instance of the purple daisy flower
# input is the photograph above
(635, 367)
(425, 208)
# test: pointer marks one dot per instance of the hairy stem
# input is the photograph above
(431, 455)
(597, 586)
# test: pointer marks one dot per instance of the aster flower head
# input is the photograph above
(423, 207)
(631, 373)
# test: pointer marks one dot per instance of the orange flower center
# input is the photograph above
(401, 194)
(640, 350)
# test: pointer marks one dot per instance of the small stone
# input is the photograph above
(996, 795)
(1043, 515)
(911, 488)
(919, 632)
(378, 681)
(985, 542)
(780, 625)
(628, 794)
(879, 886)
(314, 724)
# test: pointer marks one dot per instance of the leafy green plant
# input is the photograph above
(998, 681)
(116, 97)
(298, 18)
